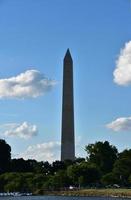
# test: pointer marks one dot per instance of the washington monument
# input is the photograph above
(67, 137)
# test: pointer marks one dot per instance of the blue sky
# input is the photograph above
(34, 36)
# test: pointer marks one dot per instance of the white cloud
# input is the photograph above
(23, 130)
(49, 151)
(29, 84)
(120, 124)
(122, 73)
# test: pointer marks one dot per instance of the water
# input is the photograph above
(60, 198)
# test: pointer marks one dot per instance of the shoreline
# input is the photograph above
(115, 193)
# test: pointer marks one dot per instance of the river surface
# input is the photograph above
(60, 198)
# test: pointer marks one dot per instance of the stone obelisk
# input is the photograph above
(67, 137)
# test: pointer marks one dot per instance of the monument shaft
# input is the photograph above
(67, 139)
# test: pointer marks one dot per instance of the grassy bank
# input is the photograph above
(91, 192)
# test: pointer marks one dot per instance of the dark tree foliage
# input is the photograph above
(79, 160)
(122, 167)
(68, 163)
(58, 181)
(110, 179)
(57, 165)
(47, 168)
(83, 174)
(103, 167)
(125, 154)
(103, 155)
(5, 156)
(22, 182)
(20, 165)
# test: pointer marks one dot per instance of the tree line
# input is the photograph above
(104, 166)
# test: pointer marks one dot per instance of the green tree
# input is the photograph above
(83, 174)
(47, 168)
(79, 160)
(122, 167)
(21, 165)
(12, 182)
(109, 179)
(62, 178)
(103, 155)
(129, 179)
(2, 183)
(58, 180)
(57, 165)
(38, 181)
(5, 156)
(73, 172)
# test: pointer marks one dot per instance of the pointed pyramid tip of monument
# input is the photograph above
(68, 54)
(68, 50)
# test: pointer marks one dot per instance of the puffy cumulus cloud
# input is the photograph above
(122, 73)
(23, 130)
(49, 151)
(29, 84)
(120, 124)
